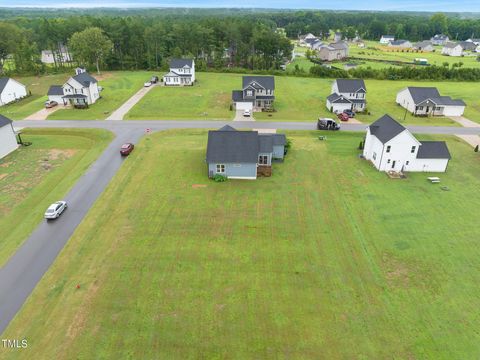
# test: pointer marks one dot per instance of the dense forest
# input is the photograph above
(217, 38)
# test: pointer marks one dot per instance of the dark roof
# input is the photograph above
(433, 150)
(398, 42)
(227, 146)
(467, 45)
(265, 97)
(3, 83)
(180, 63)
(55, 90)
(339, 45)
(336, 98)
(451, 45)
(420, 94)
(268, 82)
(279, 139)
(74, 96)
(4, 121)
(227, 128)
(350, 85)
(386, 128)
(265, 143)
(85, 79)
(237, 95)
(424, 43)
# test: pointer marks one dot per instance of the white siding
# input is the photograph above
(453, 110)
(8, 141)
(429, 165)
(405, 100)
(12, 91)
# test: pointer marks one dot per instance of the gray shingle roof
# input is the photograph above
(451, 45)
(350, 85)
(55, 90)
(237, 95)
(339, 45)
(398, 42)
(268, 82)
(180, 63)
(279, 139)
(421, 94)
(423, 44)
(227, 146)
(85, 79)
(265, 143)
(336, 98)
(433, 150)
(4, 121)
(3, 83)
(386, 128)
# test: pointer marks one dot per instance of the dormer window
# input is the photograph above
(249, 93)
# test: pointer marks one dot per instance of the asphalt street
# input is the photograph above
(27, 266)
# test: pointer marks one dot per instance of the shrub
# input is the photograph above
(219, 178)
(476, 148)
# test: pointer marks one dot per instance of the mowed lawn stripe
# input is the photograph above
(327, 258)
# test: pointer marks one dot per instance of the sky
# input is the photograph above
(383, 5)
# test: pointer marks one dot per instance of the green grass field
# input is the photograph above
(33, 177)
(326, 259)
(118, 87)
(297, 99)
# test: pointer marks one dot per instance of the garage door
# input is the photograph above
(244, 106)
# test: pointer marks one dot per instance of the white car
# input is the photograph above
(55, 210)
(247, 113)
(147, 84)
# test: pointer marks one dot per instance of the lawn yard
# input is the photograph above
(326, 259)
(297, 99)
(118, 87)
(33, 177)
(39, 86)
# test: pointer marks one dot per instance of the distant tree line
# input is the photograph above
(216, 38)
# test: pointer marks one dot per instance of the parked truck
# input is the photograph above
(327, 124)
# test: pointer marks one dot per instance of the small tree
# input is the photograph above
(361, 145)
(90, 46)
(476, 148)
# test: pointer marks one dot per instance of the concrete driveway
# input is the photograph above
(43, 114)
(130, 103)
(239, 116)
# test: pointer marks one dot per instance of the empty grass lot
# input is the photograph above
(118, 87)
(297, 99)
(33, 177)
(326, 259)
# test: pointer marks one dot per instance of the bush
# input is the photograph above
(219, 178)
(476, 148)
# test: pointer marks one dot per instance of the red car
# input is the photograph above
(343, 117)
(126, 149)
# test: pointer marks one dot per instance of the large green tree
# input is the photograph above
(90, 46)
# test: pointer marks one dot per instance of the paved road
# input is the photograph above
(162, 125)
(27, 266)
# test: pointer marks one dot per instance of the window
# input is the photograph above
(374, 156)
(263, 159)
(388, 148)
(249, 93)
(413, 149)
(420, 108)
(388, 161)
(220, 168)
(407, 162)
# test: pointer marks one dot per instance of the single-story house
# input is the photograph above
(257, 94)
(242, 154)
(424, 46)
(8, 138)
(347, 94)
(182, 73)
(452, 49)
(404, 44)
(333, 51)
(386, 39)
(303, 39)
(475, 41)
(439, 39)
(391, 147)
(427, 101)
(11, 90)
(468, 46)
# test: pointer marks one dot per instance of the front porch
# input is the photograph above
(78, 101)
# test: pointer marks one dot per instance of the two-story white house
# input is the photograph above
(8, 138)
(347, 94)
(386, 39)
(80, 90)
(427, 101)
(182, 73)
(11, 90)
(257, 94)
(452, 49)
(391, 147)
(439, 39)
